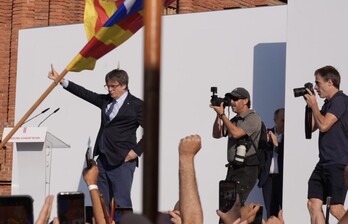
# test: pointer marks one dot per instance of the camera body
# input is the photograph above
(216, 101)
(302, 90)
(308, 115)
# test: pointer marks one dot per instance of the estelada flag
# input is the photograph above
(126, 20)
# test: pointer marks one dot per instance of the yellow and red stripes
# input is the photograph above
(122, 24)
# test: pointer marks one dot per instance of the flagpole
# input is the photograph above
(32, 108)
(152, 47)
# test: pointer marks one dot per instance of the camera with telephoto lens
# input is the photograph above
(243, 146)
(308, 111)
(216, 101)
(302, 90)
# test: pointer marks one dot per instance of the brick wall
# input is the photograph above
(189, 6)
(19, 14)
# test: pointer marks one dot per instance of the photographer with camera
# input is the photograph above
(327, 179)
(243, 132)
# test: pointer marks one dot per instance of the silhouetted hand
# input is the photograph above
(45, 212)
(248, 212)
(231, 215)
(90, 175)
(275, 220)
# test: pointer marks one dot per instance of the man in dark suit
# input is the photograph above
(271, 177)
(116, 144)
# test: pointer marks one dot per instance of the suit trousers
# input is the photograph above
(272, 192)
(116, 182)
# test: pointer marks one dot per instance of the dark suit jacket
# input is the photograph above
(266, 166)
(120, 133)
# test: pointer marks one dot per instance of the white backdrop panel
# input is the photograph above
(316, 37)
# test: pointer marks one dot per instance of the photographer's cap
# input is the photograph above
(240, 93)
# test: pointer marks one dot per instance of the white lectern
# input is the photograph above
(32, 156)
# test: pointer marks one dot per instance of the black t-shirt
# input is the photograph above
(333, 144)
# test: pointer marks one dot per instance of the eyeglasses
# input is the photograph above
(107, 87)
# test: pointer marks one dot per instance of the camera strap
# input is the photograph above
(257, 136)
(255, 148)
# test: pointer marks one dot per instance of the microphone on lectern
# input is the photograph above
(55, 111)
(44, 111)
